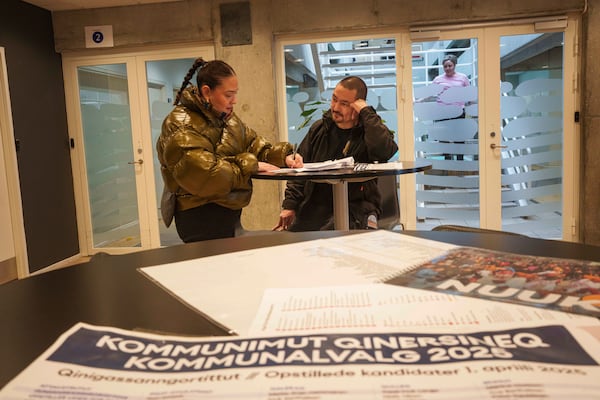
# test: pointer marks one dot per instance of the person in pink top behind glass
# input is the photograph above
(450, 77)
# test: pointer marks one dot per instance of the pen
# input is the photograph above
(295, 149)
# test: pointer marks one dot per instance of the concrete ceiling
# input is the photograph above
(61, 5)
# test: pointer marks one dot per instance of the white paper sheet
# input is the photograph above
(229, 287)
(382, 307)
(347, 162)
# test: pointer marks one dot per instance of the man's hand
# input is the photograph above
(286, 218)
(294, 161)
(357, 105)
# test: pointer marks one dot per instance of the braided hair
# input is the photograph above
(210, 73)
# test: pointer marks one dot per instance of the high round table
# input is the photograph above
(339, 179)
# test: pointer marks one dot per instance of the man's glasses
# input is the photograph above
(342, 103)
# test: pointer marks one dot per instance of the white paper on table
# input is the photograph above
(382, 307)
(391, 165)
(229, 287)
(347, 162)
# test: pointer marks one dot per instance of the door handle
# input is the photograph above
(140, 161)
(495, 146)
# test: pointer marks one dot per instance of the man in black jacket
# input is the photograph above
(349, 128)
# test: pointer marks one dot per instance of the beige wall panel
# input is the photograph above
(294, 16)
(591, 182)
(590, 207)
(173, 22)
(256, 104)
(315, 15)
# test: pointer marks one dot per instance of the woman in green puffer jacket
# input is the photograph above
(207, 156)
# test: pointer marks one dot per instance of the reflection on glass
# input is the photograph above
(163, 81)
(108, 152)
(532, 131)
(446, 113)
(313, 69)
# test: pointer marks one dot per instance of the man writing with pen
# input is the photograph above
(349, 128)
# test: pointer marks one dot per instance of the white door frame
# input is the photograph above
(8, 161)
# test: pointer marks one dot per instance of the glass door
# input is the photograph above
(115, 107)
(496, 139)
(531, 113)
(446, 129)
(111, 166)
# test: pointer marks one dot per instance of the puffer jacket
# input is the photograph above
(370, 141)
(205, 159)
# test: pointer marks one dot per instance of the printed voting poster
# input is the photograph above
(92, 362)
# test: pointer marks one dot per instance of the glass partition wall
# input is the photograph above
(529, 141)
(532, 121)
(313, 69)
(498, 160)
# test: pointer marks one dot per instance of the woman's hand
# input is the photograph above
(266, 167)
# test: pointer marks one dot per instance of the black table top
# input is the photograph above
(109, 290)
(408, 167)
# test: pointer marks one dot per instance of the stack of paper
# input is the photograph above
(347, 162)
(377, 166)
